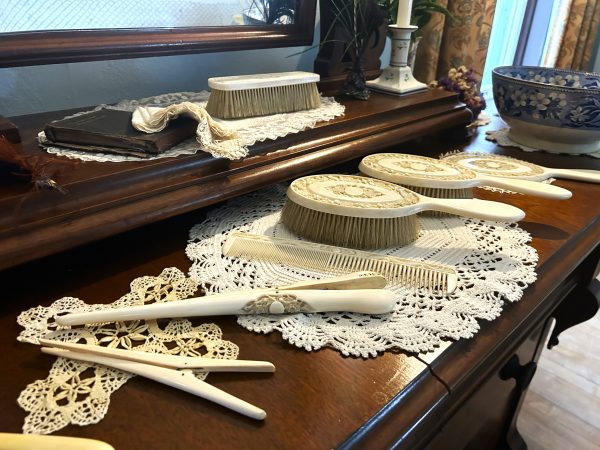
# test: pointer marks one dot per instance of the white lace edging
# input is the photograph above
(502, 138)
(77, 392)
(250, 131)
(493, 260)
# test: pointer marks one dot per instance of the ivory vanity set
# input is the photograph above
(383, 268)
(359, 256)
(342, 219)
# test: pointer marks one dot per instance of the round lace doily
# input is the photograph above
(502, 138)
(77, 392)
(250, 131)
(493, 260)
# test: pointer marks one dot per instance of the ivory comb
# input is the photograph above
(403, 271)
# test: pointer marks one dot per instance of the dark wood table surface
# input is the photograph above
(316, 400)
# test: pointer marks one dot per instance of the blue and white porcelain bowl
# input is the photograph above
(556, 110)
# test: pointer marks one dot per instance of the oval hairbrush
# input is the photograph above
(444, 179)
(504, 166)
(365, 213)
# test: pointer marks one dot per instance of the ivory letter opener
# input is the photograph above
(164, 369)
(298, 298)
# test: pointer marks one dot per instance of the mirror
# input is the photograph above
(48, 32)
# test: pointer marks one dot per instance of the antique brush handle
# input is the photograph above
(527, 187)
(367, 301)
(592, 176)
(476, 208)
(184, 380)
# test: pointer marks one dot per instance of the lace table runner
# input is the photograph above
(493, 261)
(250, 131)
(502, 138)
(77, 392)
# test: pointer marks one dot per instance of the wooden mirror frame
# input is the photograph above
(61, 46)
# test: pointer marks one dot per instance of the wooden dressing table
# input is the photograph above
(455, 398)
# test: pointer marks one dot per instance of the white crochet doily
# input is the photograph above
(493, 260)
(77, 392)
(502, 138)
(250, 131)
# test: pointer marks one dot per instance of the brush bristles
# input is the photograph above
(353, 232)
(404, 272)
(263, 101)
(440, 193)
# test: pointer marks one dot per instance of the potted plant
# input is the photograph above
(356, 24)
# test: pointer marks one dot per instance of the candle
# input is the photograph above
(404, 10)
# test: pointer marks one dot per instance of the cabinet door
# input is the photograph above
(487, 419)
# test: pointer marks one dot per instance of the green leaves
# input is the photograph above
(421, 11)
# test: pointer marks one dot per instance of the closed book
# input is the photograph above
(111, 129)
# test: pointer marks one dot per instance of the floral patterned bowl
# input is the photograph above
(556, 110)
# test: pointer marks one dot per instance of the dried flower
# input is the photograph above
(462, 81)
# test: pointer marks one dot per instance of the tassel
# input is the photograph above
(222, 141)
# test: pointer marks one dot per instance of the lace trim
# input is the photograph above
(77, 392)
(501, 138)
(493, 260)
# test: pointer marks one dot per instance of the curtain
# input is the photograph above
(578, 42)
(450, 43)
(557, 31)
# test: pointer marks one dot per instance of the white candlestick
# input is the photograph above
(404, 13)
(397, 78)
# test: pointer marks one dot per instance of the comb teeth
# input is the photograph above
(405, 272)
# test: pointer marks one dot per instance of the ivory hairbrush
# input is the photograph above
(504, 166)
(242, 96)
(366, 213)
(444, 179)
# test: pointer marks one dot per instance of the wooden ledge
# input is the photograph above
(108, 198)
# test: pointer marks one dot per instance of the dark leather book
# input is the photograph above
(111, 129)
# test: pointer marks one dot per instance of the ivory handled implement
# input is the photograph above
(525, 187)
(423, 172)
(506, 167)
(184, 380)
(274, 301)
(589, 175)
(165, 360)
